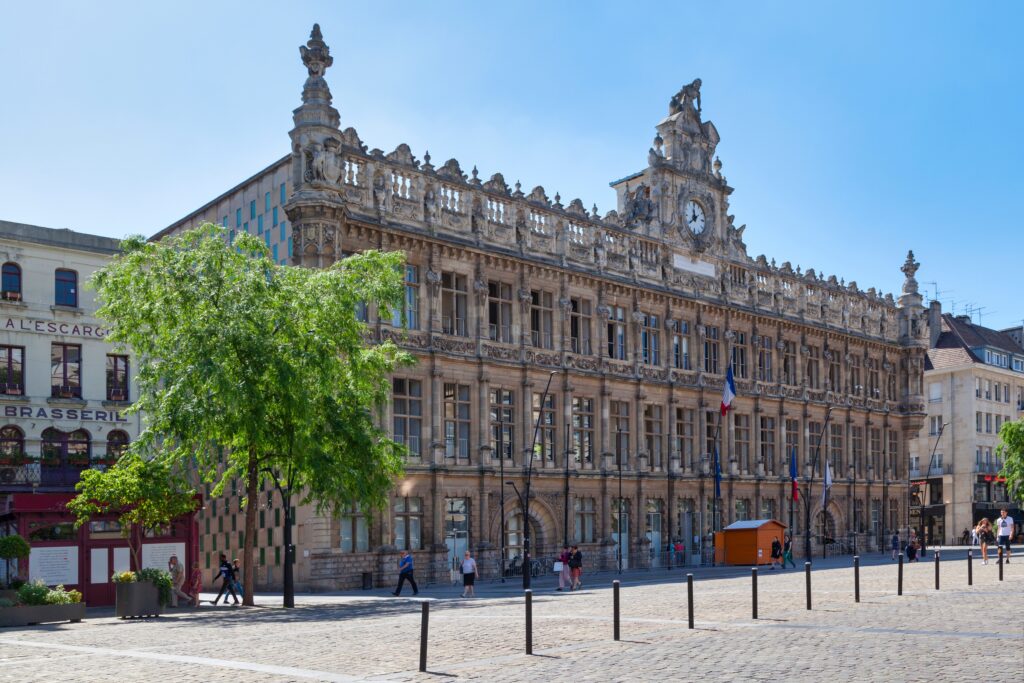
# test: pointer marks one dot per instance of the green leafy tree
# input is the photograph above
(1011, 450)
(142, 494)
(13, 547)
(255, 371)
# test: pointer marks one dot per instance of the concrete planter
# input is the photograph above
(27, 615)
(137, 599)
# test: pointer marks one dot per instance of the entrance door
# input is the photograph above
(456, 530)
(104, 562)
(653, 533)
(620, 531)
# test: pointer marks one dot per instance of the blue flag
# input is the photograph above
(718, 475)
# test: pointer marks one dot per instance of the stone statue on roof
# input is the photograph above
(686, 98)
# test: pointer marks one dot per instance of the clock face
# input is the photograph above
(694, 217)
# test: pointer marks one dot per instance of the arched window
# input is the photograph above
(65, 448)
(12, 445)
(66, 288)
(11, 286)
(117, 443)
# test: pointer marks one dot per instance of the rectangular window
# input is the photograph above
(764, 359)
(259, 224)
(411, 302)
(739, 356)
(653, 434)
(988, 389)
(681, 345)
(894, 453)
(499, 311)
(977, 422)
(245, 227)
(792, 443)
(835, 450)
(407, 401)
(988, 423)
(710, 420)
(456, 420)
(12, 370)
(355, 535)
(544, 419)
(274, 252)
(789, 363)
(742, 435)
(282, 197)
(768, 444)
(580, 326)
(274, 216)
(617, 333)
(453, 304)
(585, 516)
(283, 236)
(856, 388)
(813, 367)
(1006, 393)
(875, 452)
(238, 218)
(650, 339)
(541, 317)
(857, 450)
(66, 370)
(117, 378)
(999, 394)
(583, 429)
(252, 209)
(409, 523)
(266, 202)
(835, 381)
(685, 436)
(66, 288)
(711, 350)
(503, 418)
(620, 427)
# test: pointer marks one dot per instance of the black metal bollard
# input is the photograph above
(856, 578)
(970, 567)
(615, 609)
(899, 581)
(529, 621)
(1000, 563)
(753, 586)
(936, 569)
(424, 627)
(689, 598)
(807, 581)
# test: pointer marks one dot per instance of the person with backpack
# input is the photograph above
(576, 567)
(776, 553)
(226, 572)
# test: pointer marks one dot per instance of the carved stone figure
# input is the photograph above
(639, 207)
(685, 99)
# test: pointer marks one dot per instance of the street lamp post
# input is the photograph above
(618, 526)
(501, 466)
(927, 480)
(525, 497)
(565, 506)
(807, 488)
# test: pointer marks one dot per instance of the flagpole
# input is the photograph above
(807, 488)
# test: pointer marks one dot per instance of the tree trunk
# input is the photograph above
(249, 547)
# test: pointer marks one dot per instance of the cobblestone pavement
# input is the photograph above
(953, 634)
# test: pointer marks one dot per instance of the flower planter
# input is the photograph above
(136, 599)
(27, 615)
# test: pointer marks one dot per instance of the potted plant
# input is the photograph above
(13, 389)
(135, 598)
(37, 603)
(66, 392)
(117, 394)
(12, 296)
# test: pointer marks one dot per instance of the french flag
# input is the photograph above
(792, 474)
(729, 392)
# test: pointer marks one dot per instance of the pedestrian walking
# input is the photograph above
(405, 574)
(564, 574)
(226, 572)
(177, 573)
(985, 536)
(776, 553)
(576, 567)
(912, 550)
(468, 576)
(195, 582)
(787, 552)
(237, 566)
(1006, 526)
(895, 543)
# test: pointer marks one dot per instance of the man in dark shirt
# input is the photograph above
(227, 577)
(405, 574)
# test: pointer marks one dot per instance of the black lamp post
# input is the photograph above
(524, 498)
(565, 511)
(500, 441)
(807, 488)
(618, 449)
(927, 479)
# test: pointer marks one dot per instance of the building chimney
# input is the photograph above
(934, 322)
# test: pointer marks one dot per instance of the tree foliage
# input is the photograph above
(1011, 450)
(249, 369)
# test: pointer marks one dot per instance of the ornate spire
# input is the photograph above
(909, 269)
(316, 106)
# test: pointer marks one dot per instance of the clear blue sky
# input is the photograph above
(850, 134)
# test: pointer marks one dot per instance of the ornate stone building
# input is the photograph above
(635, 316)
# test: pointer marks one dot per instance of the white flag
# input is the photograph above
(828, 485)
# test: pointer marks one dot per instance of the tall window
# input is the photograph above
(739, 355)
(742, 434)
(453, 304)
(409, 523)
(499, 311)
(11, 278)
(117, 444)
(813, 437)
(874, 390)
(650, 339)
(12, 444)
(835, 382)
(117, 378)
(789, 362)
(407, 399)
(857, 450)
(711, 350)
(856, 386)
(583, 429)
(585, 516)
(60, 449)
(541, 317)
(792, 443)
(456, 420)
(768, 508)
(768, 444)
(894, 453)
(503, 418)
(66, 288)
(12, 370)
(681, 345)
(411, 302)
(875, 444)
(544, 415)
(813, 367)
(579, 326)
(764, 359)
(617, 333)
(710, 420)
(620, 427)
(685, 436)
(355, 532)
(66, 370)
(652, 433)
(742, 509)
(835, 450)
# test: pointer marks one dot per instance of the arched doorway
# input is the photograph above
(825, 527)
(515, 539)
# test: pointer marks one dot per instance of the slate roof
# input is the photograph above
(959, 336)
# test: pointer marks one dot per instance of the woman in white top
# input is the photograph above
(468, 575)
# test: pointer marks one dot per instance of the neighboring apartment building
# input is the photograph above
(63, 393)
(637, 314)
(974, 378)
